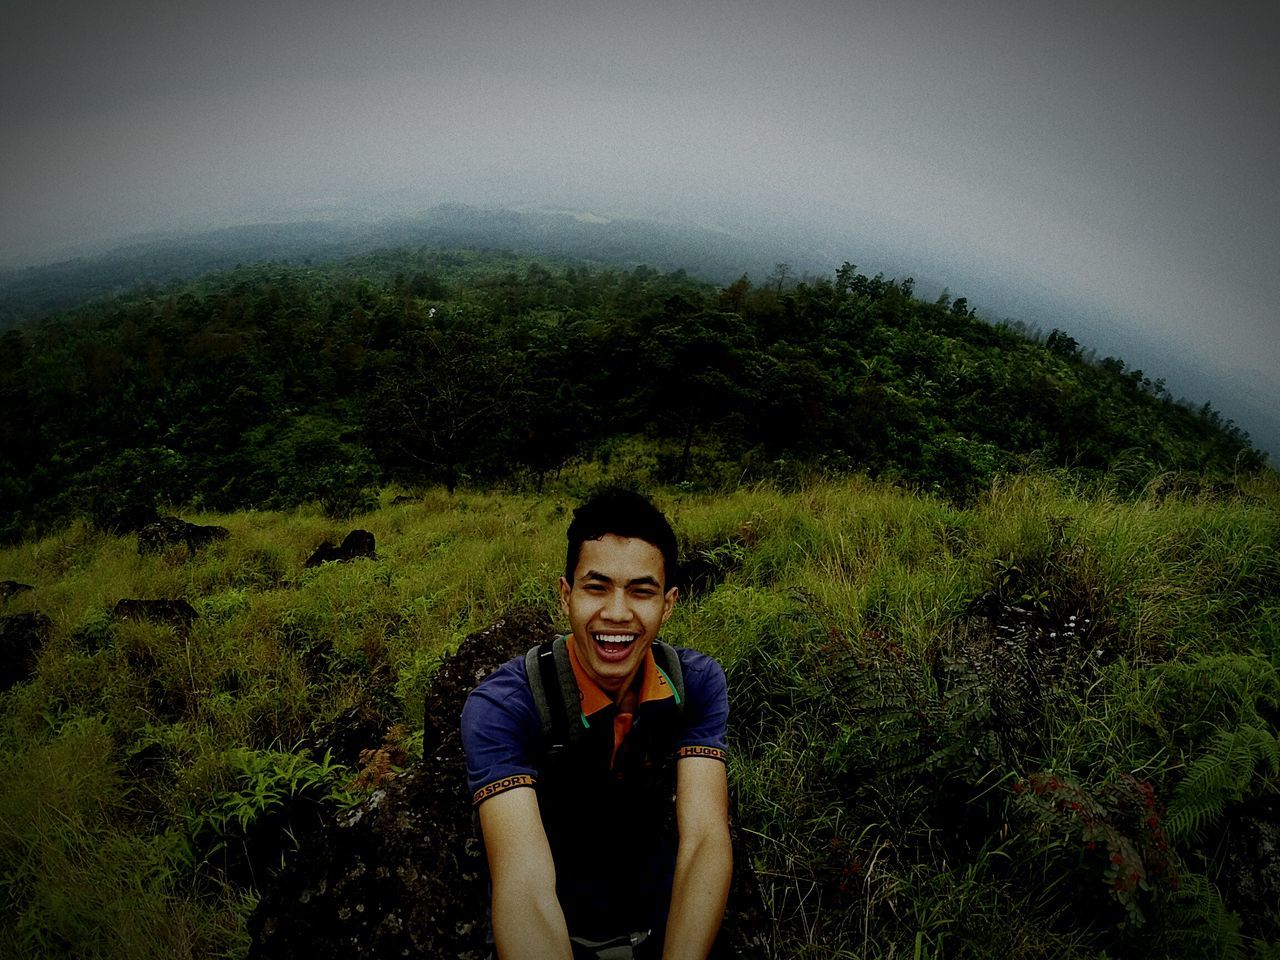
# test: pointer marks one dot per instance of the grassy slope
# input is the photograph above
(865, 712)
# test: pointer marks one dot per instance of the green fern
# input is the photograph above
(1217, 690)
(1196, 917)
(1224, 773)
(263, 781)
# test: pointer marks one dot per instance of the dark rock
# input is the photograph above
(705, 567)
(176, 612)
(358, 543)
(403, 873)
(161, 533)
(354, 730)
(10, 588)
(1250, 866)
(164, 532)
(21, 636)
(199, 535)
(477, 657)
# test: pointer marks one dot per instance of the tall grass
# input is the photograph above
(874, 768)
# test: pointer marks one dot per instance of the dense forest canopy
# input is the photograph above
(277, 384)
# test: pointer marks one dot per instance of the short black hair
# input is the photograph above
(624, 513)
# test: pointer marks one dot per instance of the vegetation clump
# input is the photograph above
(1041, 724)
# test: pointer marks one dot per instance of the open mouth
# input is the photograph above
(613, 647)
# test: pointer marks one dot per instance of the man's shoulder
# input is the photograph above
(703, 674)
(706, 707)
(510, 675)
(507, 689)
(691, 659)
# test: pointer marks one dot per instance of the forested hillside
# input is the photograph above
(274, 385)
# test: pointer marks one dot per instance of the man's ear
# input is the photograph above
(566, 589)
(669, 602)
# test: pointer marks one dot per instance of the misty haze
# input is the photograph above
(944, 334)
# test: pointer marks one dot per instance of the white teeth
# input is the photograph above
(614, 637)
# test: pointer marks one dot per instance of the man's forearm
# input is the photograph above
(698, 896)
(529, 926)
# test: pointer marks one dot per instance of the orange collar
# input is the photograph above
(653, 683)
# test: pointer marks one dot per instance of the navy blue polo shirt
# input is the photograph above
(502, 737)
(502, 732)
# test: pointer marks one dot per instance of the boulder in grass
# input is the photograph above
(11, 588)
(358, 543)
(179, 613)
(200, 535)
(165, 532)
(21, 637)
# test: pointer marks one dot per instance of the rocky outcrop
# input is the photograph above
(156, 536)
(21, 637)
(403, 873)
(358, 543)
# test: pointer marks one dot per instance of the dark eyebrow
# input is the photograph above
(599, 577)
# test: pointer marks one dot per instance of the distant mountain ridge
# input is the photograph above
(712, 255)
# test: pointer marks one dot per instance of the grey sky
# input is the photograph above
(1121, 157)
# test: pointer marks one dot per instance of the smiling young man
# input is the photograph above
(574, 753)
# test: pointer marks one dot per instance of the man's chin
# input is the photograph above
(612, 671)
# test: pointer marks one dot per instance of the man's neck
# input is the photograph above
(629, 697)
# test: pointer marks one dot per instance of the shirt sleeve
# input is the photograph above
(706, 709)
(500, 730)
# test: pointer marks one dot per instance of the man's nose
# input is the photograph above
(616, 608)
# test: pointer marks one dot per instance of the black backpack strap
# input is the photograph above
(668, 661)
(555, 692)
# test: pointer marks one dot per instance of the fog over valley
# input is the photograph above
(1109, 172)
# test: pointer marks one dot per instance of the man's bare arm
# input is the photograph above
(528, 923)
(704, 860)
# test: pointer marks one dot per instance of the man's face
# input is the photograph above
(616, 606)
